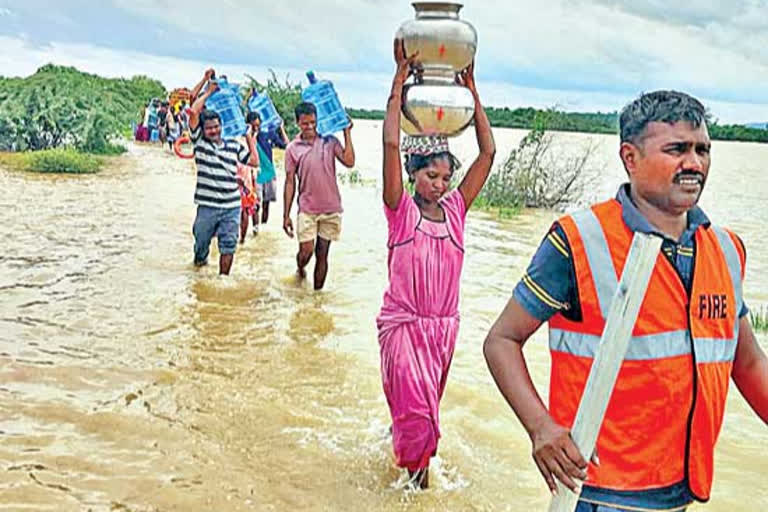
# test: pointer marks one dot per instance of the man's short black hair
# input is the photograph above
(304, 109)
(252, 116)
(209, 115)
(662, 107)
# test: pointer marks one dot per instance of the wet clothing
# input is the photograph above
(315, 166)
(419, 322)
(264, 144)
(249, 198)
(142, 134)
(322, 225)
(217, 170)
(221, 222)
(592, 507)
(269, 193)
(174, 128)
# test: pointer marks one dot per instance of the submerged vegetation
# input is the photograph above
(539, 174)
(57, 160)
(759, 319)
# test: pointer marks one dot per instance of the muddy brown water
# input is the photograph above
(131, 381)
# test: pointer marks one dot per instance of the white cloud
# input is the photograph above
(363, 90)
(707, 48)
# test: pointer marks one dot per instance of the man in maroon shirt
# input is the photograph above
(312, 159)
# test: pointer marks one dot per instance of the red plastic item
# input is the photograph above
(177, 147)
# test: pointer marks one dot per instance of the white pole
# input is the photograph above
(614, 343)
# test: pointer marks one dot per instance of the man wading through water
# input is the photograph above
(692, 334)
(217, 193)
(312, 159)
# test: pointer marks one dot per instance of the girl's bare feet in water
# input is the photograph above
(419, 478)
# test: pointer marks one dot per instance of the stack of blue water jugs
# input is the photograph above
(331, 116)
(226, 102)
(261, 104)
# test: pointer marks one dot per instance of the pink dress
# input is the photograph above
(419, 321)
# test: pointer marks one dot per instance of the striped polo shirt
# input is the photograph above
(217, 170)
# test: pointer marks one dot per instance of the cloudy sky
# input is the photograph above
(579, 55)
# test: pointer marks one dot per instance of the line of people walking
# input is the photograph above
(655, 450)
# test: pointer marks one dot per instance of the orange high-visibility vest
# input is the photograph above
(667, 407)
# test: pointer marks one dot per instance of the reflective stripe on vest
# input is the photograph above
(662, 345)
(666, 410)
(651, 346)
(599, 257)
(734, 268)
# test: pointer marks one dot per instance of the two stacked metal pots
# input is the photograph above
(433, 102)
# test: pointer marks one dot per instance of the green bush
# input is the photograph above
(759, 319)
(352, 177)
(60, 160)
(537, 174)
(502, 211)
(62, 107)
(285, 96)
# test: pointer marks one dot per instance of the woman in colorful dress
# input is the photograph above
(419, 318)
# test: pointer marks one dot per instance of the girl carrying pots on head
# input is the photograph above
(419, 318)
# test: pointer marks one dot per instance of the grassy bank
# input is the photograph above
(759, 319)
(502, 212)
(60, 160)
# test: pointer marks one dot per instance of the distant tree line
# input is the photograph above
(526, 118)
(62, 107)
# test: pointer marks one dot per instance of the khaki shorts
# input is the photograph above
(324, 225)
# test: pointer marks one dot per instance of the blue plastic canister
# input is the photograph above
(331, 116)
(261, 104)
(226, 102)
(152, 118)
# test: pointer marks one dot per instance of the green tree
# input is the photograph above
(61, 106)
(285, 96)
(537, 174)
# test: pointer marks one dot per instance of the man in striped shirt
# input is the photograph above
(217, 193)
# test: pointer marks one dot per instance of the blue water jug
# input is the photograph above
(226, 102)
(261, 104)
(331, 116)
(152, 118)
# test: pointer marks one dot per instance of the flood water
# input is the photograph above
(131, 381)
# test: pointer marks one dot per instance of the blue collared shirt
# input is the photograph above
(549, 287)
(549, 284)
(269, 140)
(264, 144)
